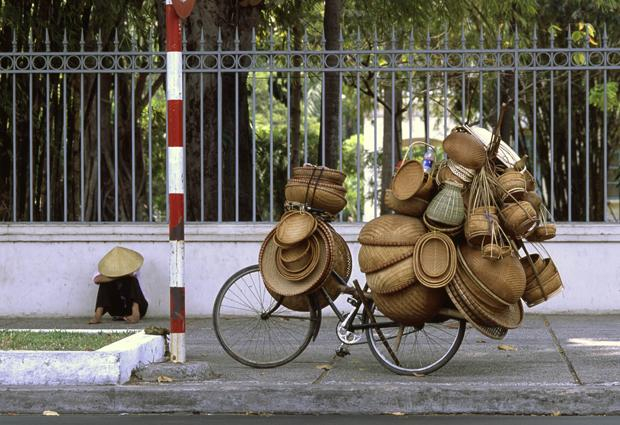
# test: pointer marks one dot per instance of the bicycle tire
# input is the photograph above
(225, 337)
(376, 346)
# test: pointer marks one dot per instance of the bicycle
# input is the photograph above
(255, 328)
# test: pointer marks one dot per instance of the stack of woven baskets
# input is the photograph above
(298, 256)
(458, 238)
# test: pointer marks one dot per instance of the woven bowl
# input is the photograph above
(512, 182)
(297, 258)
(518, 218)
(502, 281)
(294, 227)
(322, 197)
(303, 267)
(536, 294)
(329, 175)
(408, 180)
(465, 149)
(392, 230)
(438, 227)
(342, 266)
(542, 233)
(373, 258)
(413, 207)
(392, 278)
(413, 305)
(434, 260)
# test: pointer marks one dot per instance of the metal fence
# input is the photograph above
(83, 131)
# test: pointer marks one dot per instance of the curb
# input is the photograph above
(217, 397)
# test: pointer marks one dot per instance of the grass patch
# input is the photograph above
(57, 340)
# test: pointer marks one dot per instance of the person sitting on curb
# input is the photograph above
(119, 291)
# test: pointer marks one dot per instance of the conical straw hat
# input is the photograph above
(392, 230)
(120, 262)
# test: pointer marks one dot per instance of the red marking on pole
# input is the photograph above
(173, 30)
(176, 225)
(175, 123)
(177, 310)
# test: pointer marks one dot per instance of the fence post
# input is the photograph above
(176, 182)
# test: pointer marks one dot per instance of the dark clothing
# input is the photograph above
(117, 297)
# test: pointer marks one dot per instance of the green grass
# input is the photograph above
(57, 340)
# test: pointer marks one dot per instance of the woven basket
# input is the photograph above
(542, 233)
(537, 294)
(492, 251)
(480, 225)
(342, 266)
(530, 183)
(373, 258)
(413, 305)
(428, 188)
(434, 260)
(303, 267)
(502, 282)
(453, 231)
(445, 174)
(320, 183)
(392, 278)
(447, 206)
(294, 227)
(493, 332)
(407, 180)
(528, 261)
(413, 207)
(392, 230)
(465, 149)
(329, 175)
(511, 182)
(518, 218)
(297, 259)
(533, 198)
(464, 173)
(323, 197)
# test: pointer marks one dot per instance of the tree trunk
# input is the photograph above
(331, 96)
(391, 143)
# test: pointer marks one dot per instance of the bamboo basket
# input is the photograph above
(412, 305)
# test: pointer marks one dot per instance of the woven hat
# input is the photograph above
(294, 227)
(373, 258)
(434, 260)
(509, 317)
(447, 206)
(465, 149)
(392, 278)
(392, 230)
(413, 206)
(119, 262)
(329, 175)
(412, 305)
(408, 180)
(493, 332)
(279, 284)
(501, 281)
(342, 266)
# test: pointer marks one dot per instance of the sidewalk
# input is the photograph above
(565, 364)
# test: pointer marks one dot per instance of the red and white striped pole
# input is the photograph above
(176, 182)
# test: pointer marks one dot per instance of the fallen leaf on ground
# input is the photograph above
(555, 413)
(506, 347)
(397, 414)
(50, 413)
(481, 341)
(164, 378)
(325, 366)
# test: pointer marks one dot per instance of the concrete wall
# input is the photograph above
(45, 270)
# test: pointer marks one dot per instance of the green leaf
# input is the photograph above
(597, 96)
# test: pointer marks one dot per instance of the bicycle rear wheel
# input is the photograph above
(417, 350)
(252, 326)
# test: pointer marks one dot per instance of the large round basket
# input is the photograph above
(392, 278)
(392, 230)
(412, 305)
(465, 149)
(373, 258)
(329, 175)
(323, 197)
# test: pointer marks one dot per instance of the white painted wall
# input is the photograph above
(45, 270)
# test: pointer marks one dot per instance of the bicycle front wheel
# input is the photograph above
(254, 328)
(411, 350)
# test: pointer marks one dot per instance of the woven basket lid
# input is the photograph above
(493, 332)
(504, 278)
(295, 252)
(300, 268)
(434, 260)
(282, 286)
(413, 305)
(120, 261)
(465, 149)
(413, 206)
(294, 227)
(342, 265)
(373, 258)
(408, 180)
(509, 317)
(392, 230)
(392, 278)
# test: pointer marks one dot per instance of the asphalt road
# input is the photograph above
(304, 419)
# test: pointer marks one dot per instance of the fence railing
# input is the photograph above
(83, 132)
